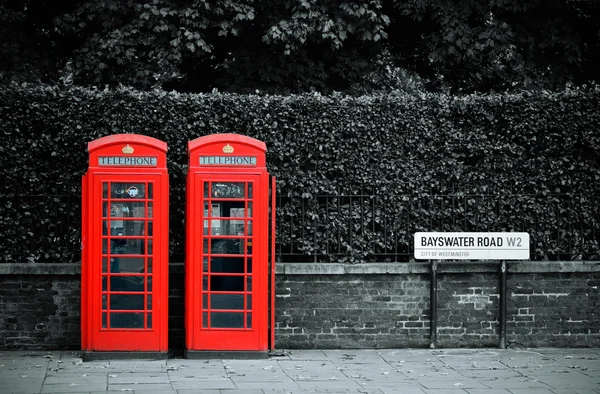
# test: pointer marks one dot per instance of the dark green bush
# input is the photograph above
(431, 162)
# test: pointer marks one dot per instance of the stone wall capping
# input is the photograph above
(443, 267)
(343, 269)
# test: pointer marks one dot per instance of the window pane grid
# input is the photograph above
(127, 259)
(226, 255)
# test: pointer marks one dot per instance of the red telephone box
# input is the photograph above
(227, 255)
(125, 230)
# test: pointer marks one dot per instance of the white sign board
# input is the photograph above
(472, 246)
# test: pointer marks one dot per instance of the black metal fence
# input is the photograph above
(367, 225)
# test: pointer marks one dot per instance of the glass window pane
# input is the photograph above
(149, 230)
(150, 191)
(126, 320)
(204, 319)
(149, 302)
(149, 320)
(127, 283)
(249, 320)
(105, 209)
(227, 265)
(227, 301)
(104, 283)
(227, 246)
(104, 301)
(249, 265)
(126, 301)
(150, 210)
(104, 319)
(149, 265)
(205, 249)
(204, 301)
(127, 190)
(205, 264)
(228, 190)
(205, 189)
(104, 245)
(250, 186)
(104, 264)
(226, 320)
(105, 227)
(205, 282)
(149, 283)
(205, 209)
(226, 283)
(249, 284)
(250, 209)
(104, 190)
(225, 227)
(127, 265)
(249, 302)
(206, 227)
(126, 210)
(127, 246)
(150, 247)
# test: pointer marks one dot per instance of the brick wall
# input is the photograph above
(554, 309)
(350, 311)
(549, 304)
(40, 312)
(176, 311)
(468, 310)
(347, 306)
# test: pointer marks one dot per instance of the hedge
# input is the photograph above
(431, 162)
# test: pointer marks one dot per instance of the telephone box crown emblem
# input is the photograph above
(127, 149)
(228, 149)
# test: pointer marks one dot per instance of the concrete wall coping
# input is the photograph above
(443, 267)
(345, 269)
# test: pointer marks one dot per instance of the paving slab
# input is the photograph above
(76, 377)
(381, 371)
(73, 387)
(306, 355)
(223, 384)
(532, 391)
(322, 386)
(366, 356)
(402, 391)
(311, 370)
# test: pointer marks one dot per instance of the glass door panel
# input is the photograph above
(127, 255)
(226, 256)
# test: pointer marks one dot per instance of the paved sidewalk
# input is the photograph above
(406, 371)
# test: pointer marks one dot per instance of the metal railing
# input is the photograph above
(370, 226)
(366, 225)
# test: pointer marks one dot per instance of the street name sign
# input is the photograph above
(471, 246)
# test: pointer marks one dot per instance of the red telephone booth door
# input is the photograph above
(125, 275)
(230, 291)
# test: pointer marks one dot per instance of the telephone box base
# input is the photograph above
(99, 356)
(225, 354)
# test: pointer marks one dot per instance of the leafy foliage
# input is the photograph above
(357, 176)
(286, 46)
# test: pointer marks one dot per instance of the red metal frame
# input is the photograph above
(125, 290)
(205, 264)
(273, 217)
